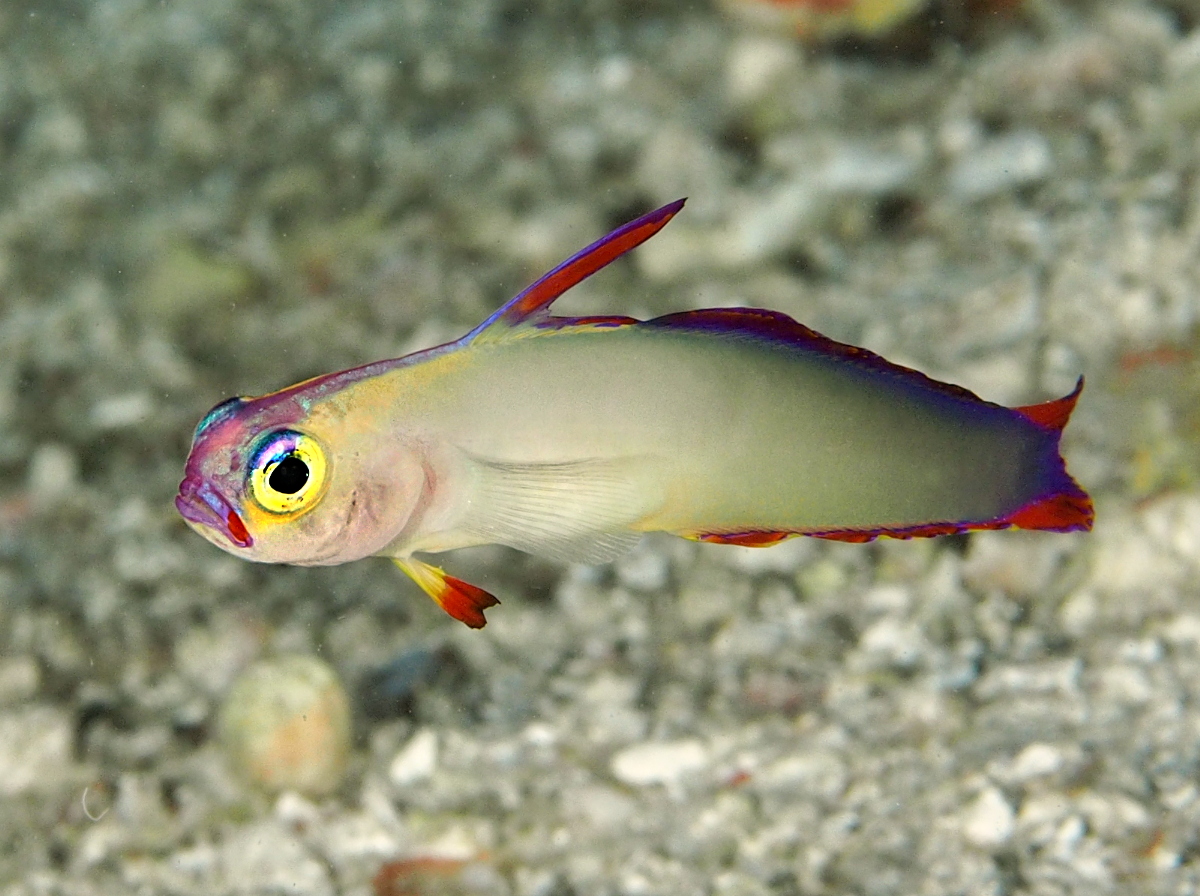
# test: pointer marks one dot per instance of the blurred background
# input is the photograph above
(204, 198)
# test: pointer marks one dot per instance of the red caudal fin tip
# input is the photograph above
(1053, 414)
(1062, 512)
(460, 599)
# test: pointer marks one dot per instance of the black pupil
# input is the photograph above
(289, 475)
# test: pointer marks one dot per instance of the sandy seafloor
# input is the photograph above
(201, 198)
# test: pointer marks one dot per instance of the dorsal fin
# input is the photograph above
(531, 303)
(1052, 414)
(776, 327)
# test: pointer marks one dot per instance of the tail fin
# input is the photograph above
(1061, 507)
(1053, 414)
(1067, 508)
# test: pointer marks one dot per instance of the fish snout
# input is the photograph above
(199, 503)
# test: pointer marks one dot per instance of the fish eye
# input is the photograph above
(288, 472)
(289, 475)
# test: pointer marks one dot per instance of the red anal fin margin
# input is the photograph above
(744, 539)
(460, 599)
(853, 536)
(1052, 414)
(1065, 511)
(1061, 512)
(925, 530)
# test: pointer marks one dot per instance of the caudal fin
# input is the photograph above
(1053, 414)
(1069, 510)
(1065, 507)
(1060, 506)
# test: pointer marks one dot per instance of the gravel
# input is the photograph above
(200, 199)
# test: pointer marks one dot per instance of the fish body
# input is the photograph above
(570, 437)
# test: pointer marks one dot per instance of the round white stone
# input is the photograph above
(416, 761)
(659, 763)
(989, 821)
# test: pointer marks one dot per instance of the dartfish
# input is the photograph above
(570, 437)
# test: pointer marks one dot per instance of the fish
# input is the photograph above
(825, 19)
(571, 437)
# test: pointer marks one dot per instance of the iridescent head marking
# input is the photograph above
(222, 411)
(285, 479)
(216, 475)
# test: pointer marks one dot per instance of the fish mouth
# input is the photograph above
(199, 503)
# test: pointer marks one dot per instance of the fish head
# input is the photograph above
(284, 479)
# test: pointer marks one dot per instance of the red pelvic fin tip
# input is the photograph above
(460, 599)
(465, 602)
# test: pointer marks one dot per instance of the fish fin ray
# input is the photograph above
(575, 512)
(1066, 510)
(775, 327)
(530, 304)
(602, 547)
(750, 539)
(1053, 414)
(1069, 510)
(597, 322)
(462, 600)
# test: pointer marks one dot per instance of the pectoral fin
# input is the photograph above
(575, 512)
(460, 599)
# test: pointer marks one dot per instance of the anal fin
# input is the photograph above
(752, 539)
(1067, 510)
(460, 599)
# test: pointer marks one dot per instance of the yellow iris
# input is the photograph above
(289, 473)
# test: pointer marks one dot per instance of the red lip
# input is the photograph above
(199, 503)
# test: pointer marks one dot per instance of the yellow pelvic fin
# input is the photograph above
(460, 599)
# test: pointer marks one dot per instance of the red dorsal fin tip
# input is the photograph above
(1052, 414)
(531, 304)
